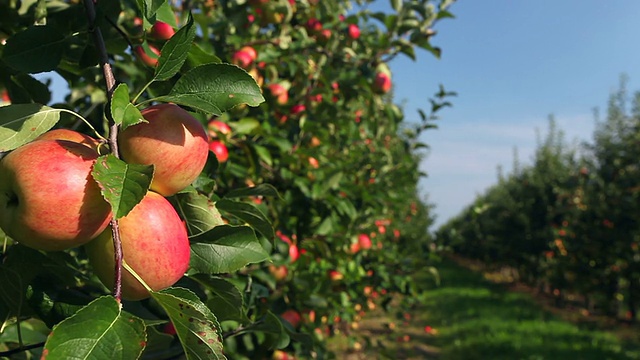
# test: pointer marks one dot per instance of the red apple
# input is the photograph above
(335, 275)
(161, 31)
(293, 317)
(279, 92)
(354, 31)
(278, 272)
(220, 149)
(173, 141)
(313, 162)
(48, 199)
(244, 57)
(294, 254)
(382, 83)
(146, 58)
(298, 108)
(216, 127)
(154, 243)
(365, 241)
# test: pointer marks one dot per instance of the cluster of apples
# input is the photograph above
(159, 32)
(49, 200)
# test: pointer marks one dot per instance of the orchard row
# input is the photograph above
(568, 223)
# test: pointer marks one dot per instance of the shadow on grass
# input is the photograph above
(477, 319)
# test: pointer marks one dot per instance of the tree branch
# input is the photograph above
(110, 81)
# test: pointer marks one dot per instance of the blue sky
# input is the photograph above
(513, 63)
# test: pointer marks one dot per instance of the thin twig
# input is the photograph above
(113, 131)
(20, 349)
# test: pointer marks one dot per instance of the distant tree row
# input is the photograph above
(568, 223)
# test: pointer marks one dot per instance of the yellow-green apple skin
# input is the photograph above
(154, 244)
(173, 141)
(70, 135)
(48, 198)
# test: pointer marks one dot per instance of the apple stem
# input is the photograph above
(110, 81)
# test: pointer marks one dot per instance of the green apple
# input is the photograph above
(173, 141)
(154, 244)
(48, 199)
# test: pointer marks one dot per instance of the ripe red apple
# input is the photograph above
(354, 31)
(48, 199)
(335, 275)
(294, 254)
(161, 31)
(313, 25)
(70, 135)
(281, 355)
(146, 58)
(220, 149)
(279, 92)
(354, 247)
(365, 241)
(216, 127)
(298, 108)
(154, 243)
(382, 83)
(313, 162)
(172, 140)
(244, 57)
(293, 317)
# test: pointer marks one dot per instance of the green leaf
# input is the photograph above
(258, 190)
(196, 326)
(245, 126)
(22, 123)
(35, 49)
(225, 249)
(123, 111)
(249, 214)
(28, 86)
(198, 56)
(225, 300)
(100, 330)
(175, 52)
(197, 211)
(396, 5)
(123, 185)
(215, 88)
(150, 8)
(11, 292)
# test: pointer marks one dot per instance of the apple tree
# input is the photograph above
(222, 178)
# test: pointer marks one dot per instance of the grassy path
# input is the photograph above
(472, 318)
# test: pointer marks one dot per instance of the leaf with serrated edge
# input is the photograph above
(215, 88)
(249, 214)
(197, 211)
(225, 249)
(100, 330)
(22, 123)
(175, 51)
(123, 111)
(196, 326)
(123, 185)
(225, 299)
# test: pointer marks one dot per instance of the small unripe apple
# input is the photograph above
(146, 58)
(161, 31)
(48, 199)
(173, 141)
(220, 150)
(155, 245)
(354, 31)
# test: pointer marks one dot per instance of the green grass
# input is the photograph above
(477, 319)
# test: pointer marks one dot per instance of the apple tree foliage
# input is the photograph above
(274, 228)
(568, 223)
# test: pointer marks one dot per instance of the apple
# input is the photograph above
(279, 92)
(365, 241)
(381, 83)
(315, 142)
(294, 254)
(281, 355)
(70, 135)
(324, 35)
(216, 127)
(146, 58)
(335, 275)
(292, 317)
(313, 25)
(48, 199)
(220, 150)
(298, 108)
(154, 244)
(354, 31)
(173, 141)
(161, 31)
(244, 57)
(278, 272)
(313, 162)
